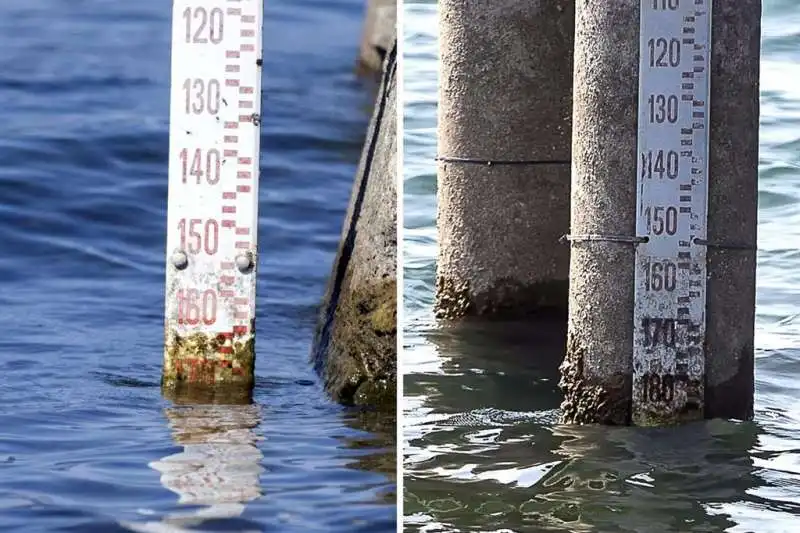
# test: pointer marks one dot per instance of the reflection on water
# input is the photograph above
(608, 477)
(485, 453)
(217, 472)
(377, 449)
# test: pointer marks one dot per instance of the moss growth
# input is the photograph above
(384, 317)
(586, 402)
(203, 360)
(379, 393)
(361, 359)
(505, 299)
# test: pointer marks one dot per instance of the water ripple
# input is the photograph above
(483, 450)
(87, 442)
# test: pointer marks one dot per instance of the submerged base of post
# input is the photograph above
(183, 393)
(604, 401)
(208, 361)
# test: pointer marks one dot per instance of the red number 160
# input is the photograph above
(194, 306)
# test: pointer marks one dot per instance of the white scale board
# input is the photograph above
(672, 199)
(215, 110)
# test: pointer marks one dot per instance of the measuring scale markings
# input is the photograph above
(672, 197)
(213, 168)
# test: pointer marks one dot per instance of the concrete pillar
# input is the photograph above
(378, 33)
(598, 368)
(505, 84)
(355, 346)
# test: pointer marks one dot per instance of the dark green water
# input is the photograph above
(482, 450)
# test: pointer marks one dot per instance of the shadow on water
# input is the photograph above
(484, 449)
(511, 363)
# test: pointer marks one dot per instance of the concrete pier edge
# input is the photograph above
(355, 342)
(378, 33)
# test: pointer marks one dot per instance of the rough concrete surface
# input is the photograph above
(597, 369)
(355, 346)
(505, 85)
(378, 33)
(733, 207)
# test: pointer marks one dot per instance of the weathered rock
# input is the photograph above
(355, 347)
(378, 34)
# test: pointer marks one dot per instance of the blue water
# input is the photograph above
(87, 442)
(482, 449)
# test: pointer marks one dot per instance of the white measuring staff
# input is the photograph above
(215, 110)
(672, 200)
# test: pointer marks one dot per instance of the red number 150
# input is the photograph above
(197, 237)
